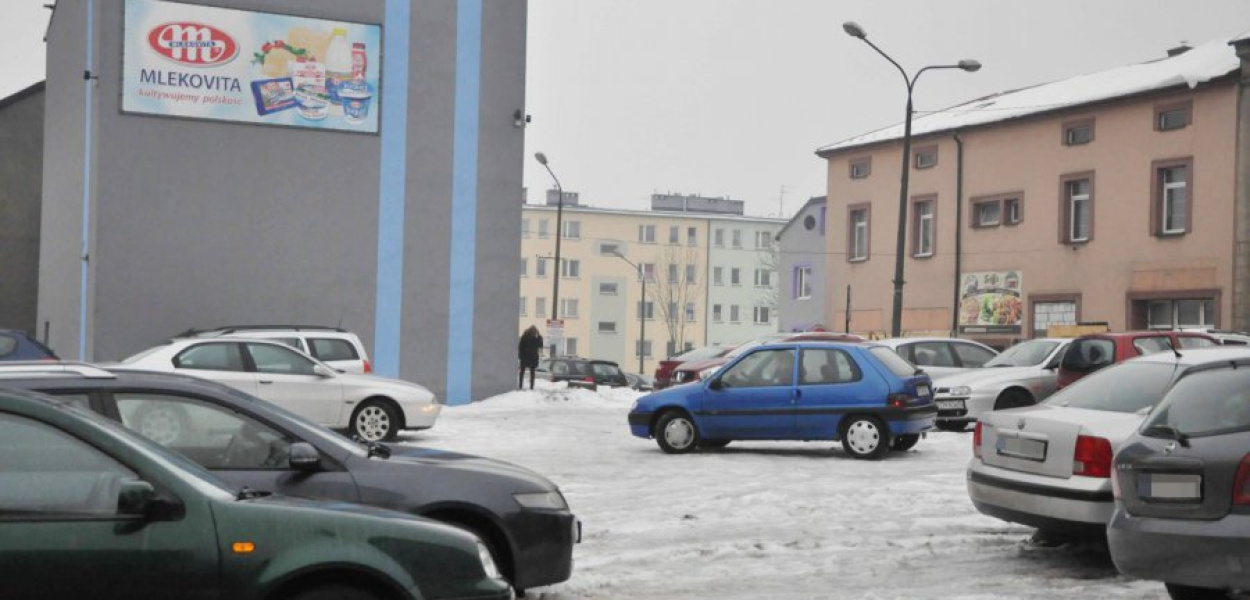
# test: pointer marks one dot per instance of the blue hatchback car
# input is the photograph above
(864, 395)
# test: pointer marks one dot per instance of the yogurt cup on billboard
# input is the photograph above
(313, 102)
(356, 97)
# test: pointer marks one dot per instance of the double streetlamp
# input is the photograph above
(555, 284)
(854, 30)
(642, 310)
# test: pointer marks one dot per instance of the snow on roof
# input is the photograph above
(1200, 64)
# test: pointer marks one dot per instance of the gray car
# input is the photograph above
(1183, 487)
(1022, 375)
(939, 356)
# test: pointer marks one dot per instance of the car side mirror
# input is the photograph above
(137, 498)
(715, 385)
(323, 371)
(304, 457)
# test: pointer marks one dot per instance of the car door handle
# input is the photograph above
(798, 393)
(266, 380)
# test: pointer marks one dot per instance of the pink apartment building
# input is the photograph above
(1121, 196)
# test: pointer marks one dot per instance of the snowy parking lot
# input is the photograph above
(764, 520)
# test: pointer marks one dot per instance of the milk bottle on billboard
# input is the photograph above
(360, 61)
(338, 65)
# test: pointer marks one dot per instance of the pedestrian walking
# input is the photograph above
(527, 352)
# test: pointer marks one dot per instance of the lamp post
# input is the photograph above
(854, 30)
(555, 284)
(642, 312)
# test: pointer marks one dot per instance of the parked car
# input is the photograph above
(1093, 352)
(640, 382)
(333, 346)
(698, 370)
(369, 407)
(1049, 466)
(1022, 375)
(16, 345)
(1182, 487)
(92, 510)
(581, 373)
(866, 396)
(247, 442)
(1225, 338)
(664, 371)
(940, 357)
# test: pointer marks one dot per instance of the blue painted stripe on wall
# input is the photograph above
(84, 266)
(389, 301)
(464, 202)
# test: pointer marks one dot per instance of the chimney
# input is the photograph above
(1179, 50)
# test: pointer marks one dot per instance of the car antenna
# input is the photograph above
(1174, 350)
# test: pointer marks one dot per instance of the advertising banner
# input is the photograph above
(202, 62)
(991, 303)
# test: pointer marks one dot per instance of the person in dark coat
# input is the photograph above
(527, 352)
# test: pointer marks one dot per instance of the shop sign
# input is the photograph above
(204, 62)
(991, 303)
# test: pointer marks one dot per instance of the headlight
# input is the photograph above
(707, 373)
(541, 501)
(488, 561)
(962, 390)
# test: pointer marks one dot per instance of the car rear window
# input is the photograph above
(895, 363)
(1150, 345)
(1206, 403)
(1201, 342)
(1125, 388)
(333, 349)
(569, 367)
(701, 353)
(607, 370)
(1086, 356)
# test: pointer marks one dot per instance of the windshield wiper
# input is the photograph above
(1170, 432)
(248, 493)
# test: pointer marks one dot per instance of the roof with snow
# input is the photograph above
(1201, 64)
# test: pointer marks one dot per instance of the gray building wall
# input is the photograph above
(199, 223)
(801, 246)
(21, 155)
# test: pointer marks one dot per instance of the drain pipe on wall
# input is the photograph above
(89, 79)
(959, 228)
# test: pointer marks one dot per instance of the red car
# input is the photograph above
(664, 372)
(696, 370)
(1090, 353)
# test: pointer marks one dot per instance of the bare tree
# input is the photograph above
(677, 282)
(770, 260)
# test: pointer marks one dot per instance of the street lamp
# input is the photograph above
(642, 311)
(854, 30)
(555, 284)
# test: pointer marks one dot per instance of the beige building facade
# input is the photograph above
(1119, 204)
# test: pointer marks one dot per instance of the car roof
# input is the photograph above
(1198, 356)
(815, 344)
(899, 341)
(194, 332)
(1119, 335)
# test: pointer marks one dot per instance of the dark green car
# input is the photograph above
(90, 510)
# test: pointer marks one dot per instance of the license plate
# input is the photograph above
(1023, 448)
(1169, 486)
(923, 390)
(950, 404)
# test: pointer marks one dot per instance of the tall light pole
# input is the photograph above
(854, 30)
(555, 284)
(642, 312)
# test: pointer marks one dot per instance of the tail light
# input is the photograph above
(900, 400)
(1092, 457)
(976, 441)
(368, 367)
(1241, 485)
(588, 379)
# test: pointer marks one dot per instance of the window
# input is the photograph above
(763, 368)
(763, 278)
(607, 289)
(540, 307)
(673, 234)
(279, 360)
(929, 354)
(646, 310)
(763, 240)
(607, 326)
(1011, 211)
(718, 276)
(1171, 202)
(213, 436)
(525, 267)
(540, 268)
(570, 347)
(923, 236)
(735, 276)
(1076, 133)
(971, 355)
(648, 271)
(1052, 311)
(568, 307)
(670, 348)
(524, 303)
(45, 473)
(672, 312)
(823, 212)
(609, 249)
(211, 357)
(716, 313)
(1173, 115)
(646, 234)
(737, 238)
(690, 312)
(690, 275)
(692, 236)
(761, 315)
(1078, 208)
(572, 230)
(802, 283)
(672, 274)
(542, 228)
(718, 238)
(733, 313)
(1184, 313)
(986, 214)
(857, 234)
(824, 367)
(861, 167)
(572, 268)
(525, 228)
(642, 349)
(688, 346)
(925, 157)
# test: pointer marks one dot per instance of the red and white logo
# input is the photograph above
(193, 44)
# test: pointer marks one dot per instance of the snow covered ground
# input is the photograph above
(766, 520)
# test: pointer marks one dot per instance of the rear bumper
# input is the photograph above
(1082, 509)
(1211, 554)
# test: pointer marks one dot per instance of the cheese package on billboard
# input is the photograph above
(277, 62)
(313, 41)
(273, 95)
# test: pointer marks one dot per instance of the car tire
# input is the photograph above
(956, 426)
(713, 444)
(1184, 592)
(676, 433)
(374, 421)
(904, 442)
(161, 423)
(332, 592)
(865, 437)
(1013, 398)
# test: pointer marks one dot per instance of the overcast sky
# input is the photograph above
(731, 98)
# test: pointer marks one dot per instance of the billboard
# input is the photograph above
(991, 302)
(203, 62)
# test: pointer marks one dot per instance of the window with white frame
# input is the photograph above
(570, 347)
(568, 308)
(923, 228)
(672, 312)
(802, 283)
(718, 276)
(859, 234)
(718, 238)
(572, 230)
(1079, 198)
(692, 236)
(716, 313)
(642, 349)
(986, 214)
(763, 239)
(648, 271)
(609, 248)
(646, 310)
(646, 234)
(525, 271)
(524, 303)
(672, 274)
(761, 315)
(540, 306)
(572, 268)
(540, 268)
(607, 289)
(674, 234)
(542, 228)
(763, 278)
(737, 238)
(690, 312)
(733, 313)
(1177, 314)
(607, 326)
(1174, 198)
(1011, 211)
(735, 276)
(690, 274)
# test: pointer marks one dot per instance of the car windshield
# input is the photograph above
(703, 353)
(759, 341)
(1024, 354)
(1211, 402)
(1126, 388)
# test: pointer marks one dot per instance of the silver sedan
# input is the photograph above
(1022, 375)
